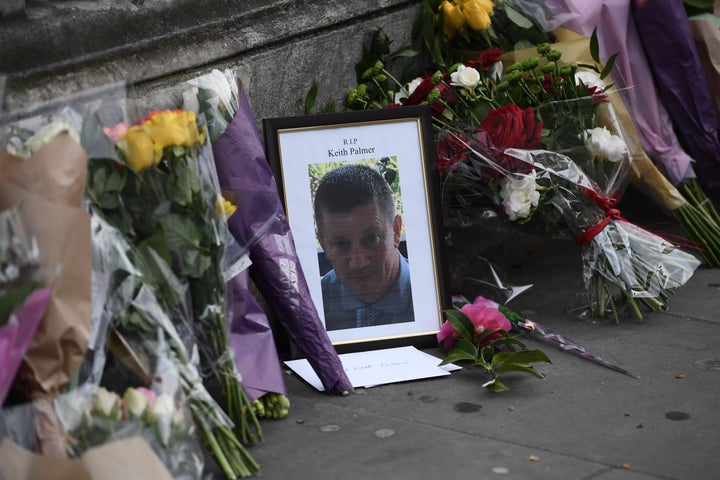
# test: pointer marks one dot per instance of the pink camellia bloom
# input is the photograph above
(483, 314)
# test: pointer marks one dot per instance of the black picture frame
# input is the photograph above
(299, 149)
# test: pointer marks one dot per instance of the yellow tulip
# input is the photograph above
(139, 148)
(454, 18)
(477, 17)
(487, 5)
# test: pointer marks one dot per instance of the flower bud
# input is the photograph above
(568, 70)
(554, 55)
(436, 77)
(380, 77)
(530, 63)
(367, 73)
(514, 76)
(543, 48)
(433, 96)
(512, 68)
(377, 68)
(549, 67)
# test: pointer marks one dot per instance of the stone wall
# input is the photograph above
(64, 48)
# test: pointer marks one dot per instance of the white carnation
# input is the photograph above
(407, 90)
(601, 143)
(519, 196)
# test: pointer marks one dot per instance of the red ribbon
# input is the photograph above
(611, 213)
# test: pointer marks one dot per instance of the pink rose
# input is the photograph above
(483, 314)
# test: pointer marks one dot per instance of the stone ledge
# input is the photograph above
(73, 46)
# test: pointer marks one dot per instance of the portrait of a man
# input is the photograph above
(359, 230)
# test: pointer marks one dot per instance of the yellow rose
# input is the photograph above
(454, 18)
(477, 17)
(140, 149)
(168, 129)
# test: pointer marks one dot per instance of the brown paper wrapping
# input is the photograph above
(119, 460)
(48, 187)
(576, 49)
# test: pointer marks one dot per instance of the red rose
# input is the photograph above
(422, 91)
(510, 127)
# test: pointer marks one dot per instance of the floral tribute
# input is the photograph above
(160, 235)
(479, 332)
(536, 140)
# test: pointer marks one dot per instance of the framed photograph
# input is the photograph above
(360, 191)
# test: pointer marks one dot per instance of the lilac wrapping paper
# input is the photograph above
(260, 221)
(665, 32)
(632, 75)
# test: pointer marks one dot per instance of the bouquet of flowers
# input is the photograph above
(44, 171)
(159, 233)
(92, 415)
(261, 224)
(622, 263)
(489, 104)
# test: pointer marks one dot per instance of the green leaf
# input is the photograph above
(522, 356)
(181, 232)
(517, 18)
(13, 298)
(310, 98)
(518, 367)
(594, 46)
(457, 357)
(462, 324)
(495, 385)
(609, 66)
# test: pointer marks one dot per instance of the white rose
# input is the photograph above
(135, 403)
(407, 90)
(519, 196)
(106, 404)
(466, 77)
(601, 143)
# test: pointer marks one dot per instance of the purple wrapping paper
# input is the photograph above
(260, 222)
(252, 341)
(15, 337)
(632, 75)
(665, 33)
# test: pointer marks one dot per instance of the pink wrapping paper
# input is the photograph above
(15, 337)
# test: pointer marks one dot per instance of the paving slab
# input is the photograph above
(582, 422)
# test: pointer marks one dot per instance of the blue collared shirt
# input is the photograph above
(341, 306)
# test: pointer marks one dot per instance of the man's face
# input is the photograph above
(362, 247)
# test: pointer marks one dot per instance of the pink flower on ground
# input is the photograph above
(484, 315)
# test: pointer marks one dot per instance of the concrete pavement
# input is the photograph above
(583, 422)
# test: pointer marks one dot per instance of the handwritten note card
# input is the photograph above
(379, 367)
